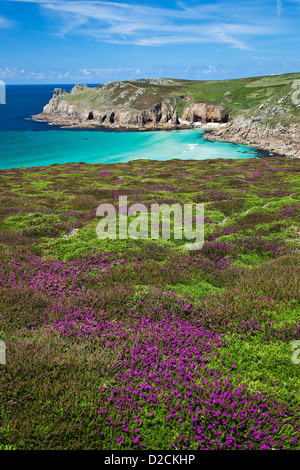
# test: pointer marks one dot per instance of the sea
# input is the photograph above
(28, 143)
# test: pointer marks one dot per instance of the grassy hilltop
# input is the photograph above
(140, 344)
(238, 97)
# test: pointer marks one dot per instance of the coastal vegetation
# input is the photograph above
(141, 344)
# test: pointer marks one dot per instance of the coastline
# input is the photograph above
(271, 124)
(261, 138)
(68, 123)
(279, 140)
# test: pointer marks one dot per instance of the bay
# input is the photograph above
(27, 143)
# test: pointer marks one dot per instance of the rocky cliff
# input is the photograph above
(65, 111)
(280, 139)
(204, 113)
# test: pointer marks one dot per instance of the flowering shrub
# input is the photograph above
(143, 345)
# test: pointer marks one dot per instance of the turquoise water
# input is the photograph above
(31, 148)
(24, 142)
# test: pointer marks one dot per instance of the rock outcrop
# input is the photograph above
(76, 88)
(281, 140)
(204, 113)
(161, 115)
(61, 113)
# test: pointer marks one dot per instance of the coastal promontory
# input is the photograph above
(262, 112)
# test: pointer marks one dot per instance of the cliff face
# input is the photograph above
(281, 140)
(204, 113)
(161, 115)
(61, 112)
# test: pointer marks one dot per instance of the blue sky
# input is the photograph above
(67, 41)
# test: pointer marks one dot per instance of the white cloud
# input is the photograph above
(85, 72)
(8, 72)
(211, 69)
(91, 75)
(63, 75)
(143, 25)
(102, 72)
(12, 72)
(279, 7)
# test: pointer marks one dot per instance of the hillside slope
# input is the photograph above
(141, 344)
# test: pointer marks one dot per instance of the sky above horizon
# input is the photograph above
(67, 41)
